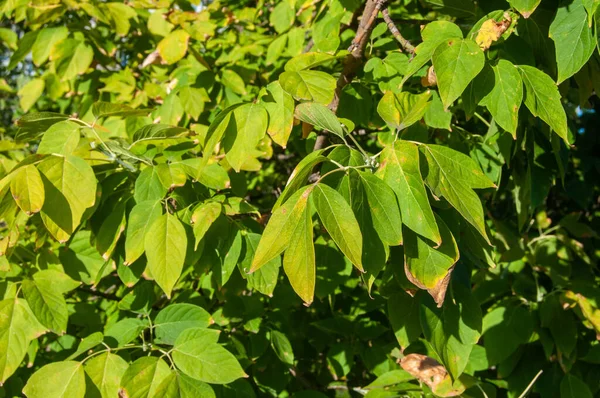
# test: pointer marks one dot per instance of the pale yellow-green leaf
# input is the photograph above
(18, 326)
(309, 85)
(30, 93)
(70, 188)
(106, 371)
(57, 380)
(299, 258)
(165, 246)
(27, 189)
(174, 46)
(61, 138)
(278, 233)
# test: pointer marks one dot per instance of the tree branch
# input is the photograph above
(404, 44)
(353, 61)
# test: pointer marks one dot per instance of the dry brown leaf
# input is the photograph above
(430, 79)
(432, 373)
(306, 129)
(491, 31)
(424, 368)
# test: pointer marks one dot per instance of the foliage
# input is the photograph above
(177, 178)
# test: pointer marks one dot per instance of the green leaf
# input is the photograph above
(157, 131)
(124, 331)
(30, 93)
(140, 219)
(282, 17)
(174, 46)
(400, 169)
(71, 58)
(40, 121)
(204, 361)
(165, 246)
(275, 49)
(309, 60)
(433, 34)
(25, 45)
(337, 217)
(403, 109)
(390, 378)
(192, 100)
(299, 259)
(429, 266)
(171, 175)
(203, 217)
(108, 109)
(573, 38)
(251, 121)
(319, 116)
(505, 99)
(456, 63)
(58, 280)
(70, 188)
(265, 278)
(276, 236)
(61, 138)
(57, 380)
(403, 312)
(309, 85)
(148, 186)
(86, 344)
(178, 385)
(505, 328)
(454, 329)
(280, 107)
(106, 371)
(573, 387)
(542, 98)
(525, 7)
(48, 304)
(27, 189)
(436, 117)
(143, 377)
(454, 175)
(233, 81)
(299, 176)
(384, 208)
(18, 326)
(282, 347)
(215, 177)
(110, 231)
(176, 318)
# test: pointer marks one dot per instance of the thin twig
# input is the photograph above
(404, 43)
(98, 293)
(531, 384)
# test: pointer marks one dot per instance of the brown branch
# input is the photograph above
(404, 44)
(354, 60)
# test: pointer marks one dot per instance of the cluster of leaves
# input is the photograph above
(172, 225)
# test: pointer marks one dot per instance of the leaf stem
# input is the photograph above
(531, 384)
(482, 119)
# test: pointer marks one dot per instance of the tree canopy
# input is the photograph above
(299, 198)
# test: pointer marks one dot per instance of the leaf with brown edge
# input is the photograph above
(429, 266)
(431, 372)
